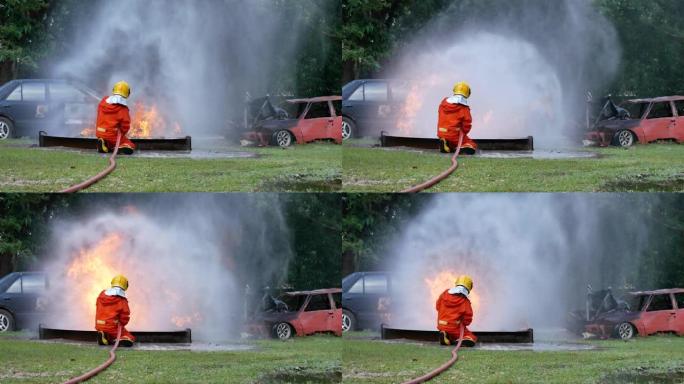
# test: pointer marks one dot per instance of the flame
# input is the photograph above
(146, 122)
(445, 280)
(410, 108)
(91, 270)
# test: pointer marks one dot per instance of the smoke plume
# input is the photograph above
(529, 63)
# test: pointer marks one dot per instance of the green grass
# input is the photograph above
(654, 167)
(302, 168)
(367, 361)
(313, 359)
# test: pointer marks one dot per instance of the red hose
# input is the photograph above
(99, 176)
(441, 176)
(432, 374)
(90, 374)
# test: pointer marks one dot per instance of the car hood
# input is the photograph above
(615, 124)
(617, 316)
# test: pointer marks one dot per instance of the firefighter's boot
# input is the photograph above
(467, 342)
(444, 338)
(101, 338)
(467, 151)
(102, 146)
(126, 150)
(125, 343)
(444, 146)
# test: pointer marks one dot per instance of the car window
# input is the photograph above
(679, 298)
(635, 303)
(636, 110)
(357, 287)
(318, 110)
(337, 106)
(33, 92)
(660, 303)
(679, 106)
(16, 94)
(337, 299)
(33, 283)
(375, 91)
(357, 95)
(15, 287)
(375, 284)
(318, 303)
(660, 110)
(63, 92)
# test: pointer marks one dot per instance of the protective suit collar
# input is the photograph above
(117, 99)
(115, 291)
(457, 99)
(459, 290)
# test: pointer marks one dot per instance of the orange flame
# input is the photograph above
(445, 280)
(91, 271)
(408, 112)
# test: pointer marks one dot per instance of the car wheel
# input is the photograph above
(282, 138)
(348, 321)
(6, 128)
(282, 331)
(625, 331)
(348, 128)
(6, 321)
(624, 138)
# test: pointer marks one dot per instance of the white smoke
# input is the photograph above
(531, 256)
(529, 65)
(188, 260)
(195, 59)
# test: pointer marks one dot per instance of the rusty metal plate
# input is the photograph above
(520, 144)
(175, 144)
(524, 336)
(184, 336)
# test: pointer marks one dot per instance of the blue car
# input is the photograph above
(370, 106)
(362, 299)
(59, 107)
(21, 300)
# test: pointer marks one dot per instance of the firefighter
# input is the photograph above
(454, 309)
(454, 119)
(113, 117)
(111, 312)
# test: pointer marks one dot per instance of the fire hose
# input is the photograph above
(112, 164)
(90, 374)
(437, 371)
(432, 182)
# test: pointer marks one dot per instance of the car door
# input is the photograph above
(316, 121)
(375, 288)
(31, 112)
(659, 315)
(335, 321)
(15, 300)
(317, 314)
(677, 132)
(659, 121)
(371, 106)
(679, 313)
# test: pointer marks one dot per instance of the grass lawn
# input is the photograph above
(302, 168)
(313, 359)
(644, 360)
(654, 167)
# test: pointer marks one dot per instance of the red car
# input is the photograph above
(644, 313)
(317, 119)
(304, 313)
(646, 120)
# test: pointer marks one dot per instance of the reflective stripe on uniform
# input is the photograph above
(101, 322)
(100, 129)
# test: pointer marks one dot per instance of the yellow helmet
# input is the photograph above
(120, 281)
(465, 281)
(122, 88)
(462, 88)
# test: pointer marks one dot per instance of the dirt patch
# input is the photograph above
(300, 375)
(645, 183)
(645, 375)
(301, 183)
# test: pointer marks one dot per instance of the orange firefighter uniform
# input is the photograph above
(454, 309)
(112, 118)
(112, 311)
(454, 119)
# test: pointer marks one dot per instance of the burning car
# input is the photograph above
(304, 313)
(641, 313)
(21, 300)
(316, 119)
(28, 106)
(638, 120)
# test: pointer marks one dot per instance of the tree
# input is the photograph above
(22, 36)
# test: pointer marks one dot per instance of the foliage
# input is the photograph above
(22, 33)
